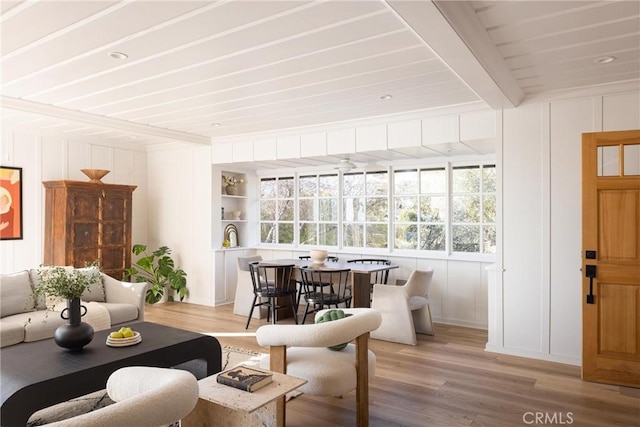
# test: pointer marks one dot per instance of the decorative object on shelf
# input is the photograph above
(69, 284)
(319, 256)
(230, 182)
(95, 175)
(222, 213)
(235, 215)
(231, 235)
(159, 270)
(226, 243)
(10, 203)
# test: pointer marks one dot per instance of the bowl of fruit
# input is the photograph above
(123, 337)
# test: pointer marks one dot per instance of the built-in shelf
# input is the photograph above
(234, 220)
(224, 196)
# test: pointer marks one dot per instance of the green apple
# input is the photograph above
(117, 334)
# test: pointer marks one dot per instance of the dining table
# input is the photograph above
(360, 275)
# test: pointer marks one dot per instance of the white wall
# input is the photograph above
(180, 214)
(49, 156)
(538, 295)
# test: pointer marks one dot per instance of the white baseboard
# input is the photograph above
(457, 322)
(567, 360)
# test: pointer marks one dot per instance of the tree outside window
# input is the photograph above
(277, 210)
(420, 209)
(318, 210)
(444, 209)
(365, 206)
(473, 200)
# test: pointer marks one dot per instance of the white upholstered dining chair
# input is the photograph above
(405, 309)
(144, 396)
(242, 303)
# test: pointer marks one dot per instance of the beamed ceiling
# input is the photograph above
(258, 66)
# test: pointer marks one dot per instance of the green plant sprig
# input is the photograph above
(58, 282)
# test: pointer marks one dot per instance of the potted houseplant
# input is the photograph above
(159, 270)
(69, 284)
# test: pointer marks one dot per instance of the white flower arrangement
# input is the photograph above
(232, 180)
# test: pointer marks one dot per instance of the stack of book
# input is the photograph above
(245, 378)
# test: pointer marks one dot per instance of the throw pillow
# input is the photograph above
(95, 291)
(330, 316)
(16, 295)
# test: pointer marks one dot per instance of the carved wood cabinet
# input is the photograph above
(85, 222)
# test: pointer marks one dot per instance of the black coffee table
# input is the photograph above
(39, 374)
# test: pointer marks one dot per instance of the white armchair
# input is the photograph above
(301, 351)
(405, 309)
(144, 396)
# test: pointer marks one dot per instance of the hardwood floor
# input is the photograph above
(446, 380)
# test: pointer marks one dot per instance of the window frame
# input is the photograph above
(391, 249)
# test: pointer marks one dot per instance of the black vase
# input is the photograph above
(76, 334)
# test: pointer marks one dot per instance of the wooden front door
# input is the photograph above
(611, 257)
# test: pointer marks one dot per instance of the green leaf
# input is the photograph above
(138, 249)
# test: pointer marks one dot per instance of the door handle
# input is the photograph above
(591, 274)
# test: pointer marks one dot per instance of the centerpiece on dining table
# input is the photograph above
(318, 256)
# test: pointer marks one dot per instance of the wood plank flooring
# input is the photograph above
(447, 380)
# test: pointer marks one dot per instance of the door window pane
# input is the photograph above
(608, 161)
(632, 160)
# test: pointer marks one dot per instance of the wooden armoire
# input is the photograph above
(87, 222)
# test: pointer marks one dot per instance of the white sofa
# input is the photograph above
(109, 302)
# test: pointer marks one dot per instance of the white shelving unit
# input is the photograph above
(230, 203)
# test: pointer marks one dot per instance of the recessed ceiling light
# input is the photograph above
(117, 55)
(605, 59)
(385, 97)
(216, 125)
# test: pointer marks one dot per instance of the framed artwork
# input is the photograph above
(10, 203)
(231, 234)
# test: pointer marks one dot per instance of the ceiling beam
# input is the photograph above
(100, 121)
(452, 30)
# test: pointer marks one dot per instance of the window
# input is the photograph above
(365, 209)
(446, 209)
(473, 209)
(420, 207)
(318, 210)
(277, 210)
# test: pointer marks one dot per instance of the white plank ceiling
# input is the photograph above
(260, 66)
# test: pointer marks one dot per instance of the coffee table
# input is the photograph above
(39, 374)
